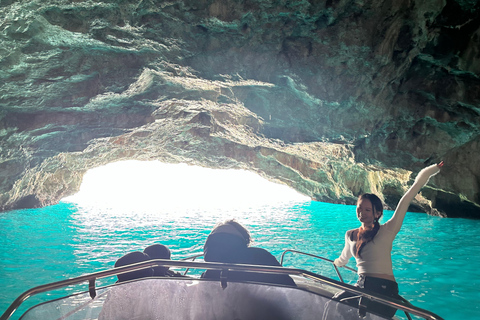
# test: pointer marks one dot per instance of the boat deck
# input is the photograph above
(192, 297)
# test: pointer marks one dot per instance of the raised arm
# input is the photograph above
(395, 223)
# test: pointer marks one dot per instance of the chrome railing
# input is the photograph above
(336, 269)
(192, 258)
(91, 278)
(318, 257)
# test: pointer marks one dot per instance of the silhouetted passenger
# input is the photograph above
(131, 258)
(225, 242)
(229, 243)
(259, 256)
(158, 251)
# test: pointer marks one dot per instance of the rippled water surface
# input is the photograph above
(435, 260)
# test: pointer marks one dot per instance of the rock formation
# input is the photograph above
(333, 97)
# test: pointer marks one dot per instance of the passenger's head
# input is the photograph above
(131, 258)
(371, 205)
(158, 251)
(225, 241)
(369, 212)
(234, 228)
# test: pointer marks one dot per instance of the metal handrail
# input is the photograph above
(195, 256)
(318, 257)
(336, 268)
(192, 257)
(217, 266)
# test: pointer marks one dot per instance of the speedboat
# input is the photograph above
(191, 296)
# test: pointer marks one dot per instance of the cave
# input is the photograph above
(332, 98)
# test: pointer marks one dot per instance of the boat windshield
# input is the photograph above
(239, 292)
(194, 299)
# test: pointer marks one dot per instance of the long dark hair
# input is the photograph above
(365, 236)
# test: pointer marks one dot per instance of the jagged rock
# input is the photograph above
(333, 98)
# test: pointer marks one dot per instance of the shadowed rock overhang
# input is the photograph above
(333, 98)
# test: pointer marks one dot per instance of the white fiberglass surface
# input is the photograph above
(195, 299)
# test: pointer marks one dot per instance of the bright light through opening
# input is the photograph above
(155, 186)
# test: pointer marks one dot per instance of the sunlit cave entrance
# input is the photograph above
(155, 187)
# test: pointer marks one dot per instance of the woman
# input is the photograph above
(371, 243)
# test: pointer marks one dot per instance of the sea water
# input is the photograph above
(435, 260)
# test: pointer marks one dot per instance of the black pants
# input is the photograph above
(383, 286)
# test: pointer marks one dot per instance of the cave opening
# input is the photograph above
(153, 186)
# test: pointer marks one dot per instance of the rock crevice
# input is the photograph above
(333, 98)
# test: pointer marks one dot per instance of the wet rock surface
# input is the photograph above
(333, 98)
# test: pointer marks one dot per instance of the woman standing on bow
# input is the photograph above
(371, 243)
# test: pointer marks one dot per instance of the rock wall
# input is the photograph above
(333, 98)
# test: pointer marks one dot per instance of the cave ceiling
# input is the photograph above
(333, 98)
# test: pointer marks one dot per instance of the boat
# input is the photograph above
(189, 296)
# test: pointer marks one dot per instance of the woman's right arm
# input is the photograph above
(346, 253)
(422, 178)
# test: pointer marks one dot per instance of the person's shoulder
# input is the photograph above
(388, 226)
(255, 255)
(351, 233)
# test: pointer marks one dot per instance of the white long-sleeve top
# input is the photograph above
(376, 255)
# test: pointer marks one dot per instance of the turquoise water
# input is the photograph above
(435, 260)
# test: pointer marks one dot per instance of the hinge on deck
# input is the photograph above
(223, 278)
(362, 308)
(91, 288)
